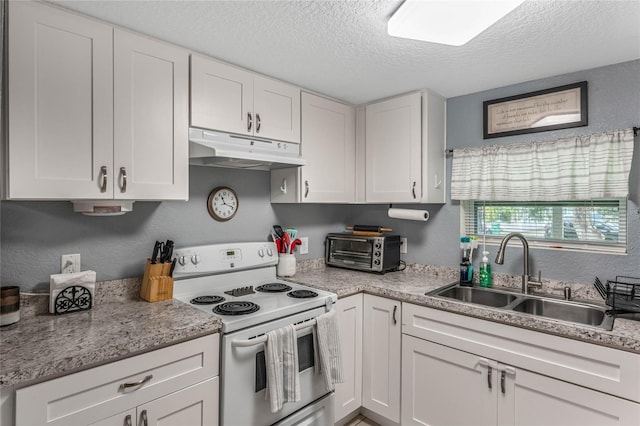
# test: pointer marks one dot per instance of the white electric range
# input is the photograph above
(237, 283)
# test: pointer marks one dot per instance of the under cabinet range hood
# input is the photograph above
(209, 148)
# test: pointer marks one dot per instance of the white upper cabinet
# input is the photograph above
(60, 104)
(93, 114)
(230, 99)
(328, 146)
(393, 154)
(404, 144)
(151, 107)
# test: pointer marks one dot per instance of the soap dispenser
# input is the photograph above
(485, 271)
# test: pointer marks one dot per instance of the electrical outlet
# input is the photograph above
(403, 245)
(70, 263)
(304, 247)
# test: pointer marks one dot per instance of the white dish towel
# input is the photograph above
(281, 358)
(328, 351)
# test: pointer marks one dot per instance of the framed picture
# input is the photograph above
(551, 109)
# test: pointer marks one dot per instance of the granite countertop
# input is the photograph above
(411, 285)
(47, 346)
(40, 347)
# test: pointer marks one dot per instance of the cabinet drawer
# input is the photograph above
(91, 395)
(608, 370)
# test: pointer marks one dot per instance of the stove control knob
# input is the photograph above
(195, 259)
(269, 252)
(182, 260)
(261, 252)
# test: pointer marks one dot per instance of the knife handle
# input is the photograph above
(154, 256)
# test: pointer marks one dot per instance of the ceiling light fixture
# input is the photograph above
(452, 22)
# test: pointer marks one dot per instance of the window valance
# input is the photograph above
(576, 168)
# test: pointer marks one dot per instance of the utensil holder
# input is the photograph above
(286, 265)
(157, 284)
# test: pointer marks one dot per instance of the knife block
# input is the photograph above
(157, 285)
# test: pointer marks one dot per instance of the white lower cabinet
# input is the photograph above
(458, 370)
(437, 380)
(381, 357)
(348, 397)
(176, 385)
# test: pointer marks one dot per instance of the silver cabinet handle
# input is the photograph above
(249, 122)
(123, 179)
(489, 374)
(258, 122)
(143, 418)
(283, 187)
(105, 176)
(395, 308)
(306, 188)
(413, 190)
(502, 379)
(141, 382)
(127, 420)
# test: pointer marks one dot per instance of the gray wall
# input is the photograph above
(614, 103)
(35, 234)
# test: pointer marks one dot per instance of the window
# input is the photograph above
(595, 225)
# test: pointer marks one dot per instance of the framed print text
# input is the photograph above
(551, 109)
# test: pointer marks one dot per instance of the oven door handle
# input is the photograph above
(263, 338)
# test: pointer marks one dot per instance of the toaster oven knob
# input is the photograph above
(376, 262)
(182, 260)
(195, 259)
(378, 245)
(377, 254)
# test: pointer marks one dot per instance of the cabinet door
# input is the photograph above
(194, 406)
(381, 356)
(438, 381)
(60, 104)
(393, 150)
(276, 108)
(221, 97)
(328, 145)
(348, 396)
(534, 399)
(151, 146)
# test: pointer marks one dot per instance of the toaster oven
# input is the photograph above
(365, 253)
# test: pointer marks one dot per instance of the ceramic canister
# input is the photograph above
(9, 304)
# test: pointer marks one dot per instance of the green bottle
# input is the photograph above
(485, 271)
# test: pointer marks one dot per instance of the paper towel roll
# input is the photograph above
(409, 214)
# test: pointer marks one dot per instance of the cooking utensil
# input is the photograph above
(293, 232)
(156, 249)
(286, 242)
(294, 244)
(368, 228)
(278, 230)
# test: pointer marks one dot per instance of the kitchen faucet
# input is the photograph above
(526, 280)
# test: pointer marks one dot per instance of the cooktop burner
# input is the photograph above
(207, 300)
(236, 308)
(273, 288)
(302, 294)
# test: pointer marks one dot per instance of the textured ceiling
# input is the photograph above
(341, 48)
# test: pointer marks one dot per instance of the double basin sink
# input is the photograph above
(539, 306)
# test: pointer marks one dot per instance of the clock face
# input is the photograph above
(222, 203)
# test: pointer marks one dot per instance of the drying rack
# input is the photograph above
(621, 294)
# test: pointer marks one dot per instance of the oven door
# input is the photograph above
(352, 252)
(243, 375)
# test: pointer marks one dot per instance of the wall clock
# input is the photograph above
(222, 203)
